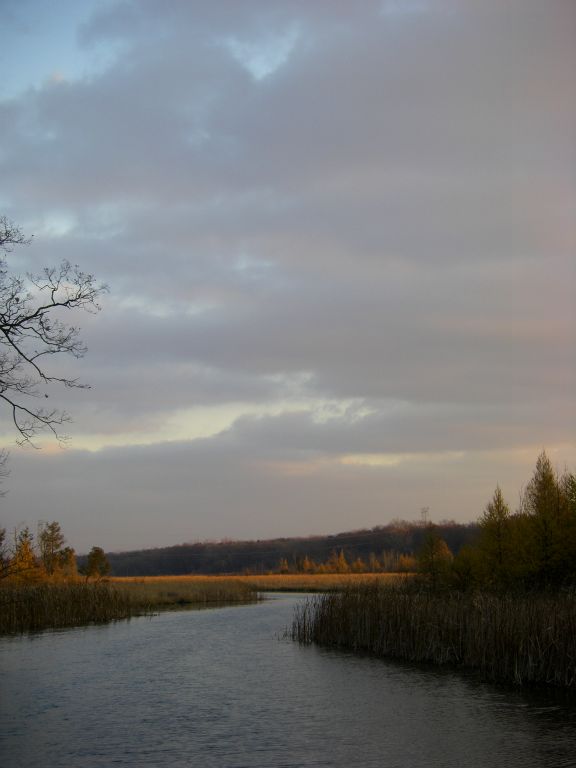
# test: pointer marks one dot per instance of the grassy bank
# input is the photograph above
(522, 639)
(26, 608)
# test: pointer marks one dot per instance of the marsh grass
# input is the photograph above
(520, 638)
(165, 592)
(27, 608)
(317, 582)
(273, 582)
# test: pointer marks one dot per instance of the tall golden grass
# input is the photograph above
(317, 582)
(26, 608)
(177, 591)
(521, 638)
(273, 582)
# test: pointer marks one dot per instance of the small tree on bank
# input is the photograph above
(97, 565)
(434, 557)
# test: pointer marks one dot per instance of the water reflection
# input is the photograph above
(219, 688)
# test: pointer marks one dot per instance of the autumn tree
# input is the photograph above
(32, 330)
(374, 565)
(308, 565)
(434, 556)
(24, 565)
(407, 564)
(337, 562)
(67, 566)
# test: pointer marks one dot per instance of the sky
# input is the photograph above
(340, 243)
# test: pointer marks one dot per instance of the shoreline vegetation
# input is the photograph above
(28, 607)
(503, 604)
(34, 607)
(523, 639)
(272, 582)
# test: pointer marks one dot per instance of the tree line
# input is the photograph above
(46, 558)
(389, 561)
(533, 547)
(382, 548)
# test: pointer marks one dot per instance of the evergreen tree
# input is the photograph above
(543, 509)
(495, 541)
(50, 542)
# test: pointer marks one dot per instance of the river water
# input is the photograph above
(220, 689)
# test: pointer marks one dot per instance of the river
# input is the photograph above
(219, 688)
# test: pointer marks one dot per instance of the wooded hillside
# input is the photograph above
(379, 548)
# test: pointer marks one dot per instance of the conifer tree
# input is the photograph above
(542, 507)
(50, 542)
(496, 541)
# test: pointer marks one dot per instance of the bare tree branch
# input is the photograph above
(32, 328)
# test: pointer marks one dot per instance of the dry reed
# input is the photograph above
(151, 593)
(316, 582)
(521, 638)
(27, 608)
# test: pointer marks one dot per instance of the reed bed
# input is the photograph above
(520, 638)
(317, 582)
(271, 582)
(163, 592)
(27, 608)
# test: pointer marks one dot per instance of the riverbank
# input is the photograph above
(521, 639)
(27, 608)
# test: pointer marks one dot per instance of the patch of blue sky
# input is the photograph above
(262, 57)
(39, 44)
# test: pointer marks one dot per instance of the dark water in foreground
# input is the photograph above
(218, 689)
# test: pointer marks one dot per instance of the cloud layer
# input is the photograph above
(341, 249)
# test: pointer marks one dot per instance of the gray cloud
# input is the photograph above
(386, 216)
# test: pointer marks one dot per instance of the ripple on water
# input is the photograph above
(220, 689)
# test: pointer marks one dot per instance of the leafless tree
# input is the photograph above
(32, 329)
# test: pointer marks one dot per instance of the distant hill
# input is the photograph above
(383, 544)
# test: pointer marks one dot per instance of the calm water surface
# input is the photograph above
(218, 688)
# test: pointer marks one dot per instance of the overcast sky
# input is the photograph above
(340, 240)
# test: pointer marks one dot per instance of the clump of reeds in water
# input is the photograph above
(518, 638)
(25, 608)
